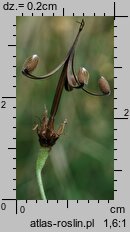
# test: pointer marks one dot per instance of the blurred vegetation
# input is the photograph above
(80, 165)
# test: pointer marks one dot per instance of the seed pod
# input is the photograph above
(83, 76)
(104, 85)
(30, 63)
(70, 82)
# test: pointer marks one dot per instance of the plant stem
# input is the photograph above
(63, 76)
(42, 157)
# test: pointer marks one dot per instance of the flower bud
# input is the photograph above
(31, 63)
(104, 85)
(83, 76)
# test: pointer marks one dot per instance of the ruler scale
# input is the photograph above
(67, 215)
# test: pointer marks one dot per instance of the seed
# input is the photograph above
(83, 76)
(104, 85)
(70, 83)
(31, 63)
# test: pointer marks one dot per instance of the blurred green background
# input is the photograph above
(80, 165)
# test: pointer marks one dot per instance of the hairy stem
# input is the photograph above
(42, 157)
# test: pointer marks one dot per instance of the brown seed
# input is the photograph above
(104, 85)
(70, 83)
(83, 76)
(31, 63)
(72, 80)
